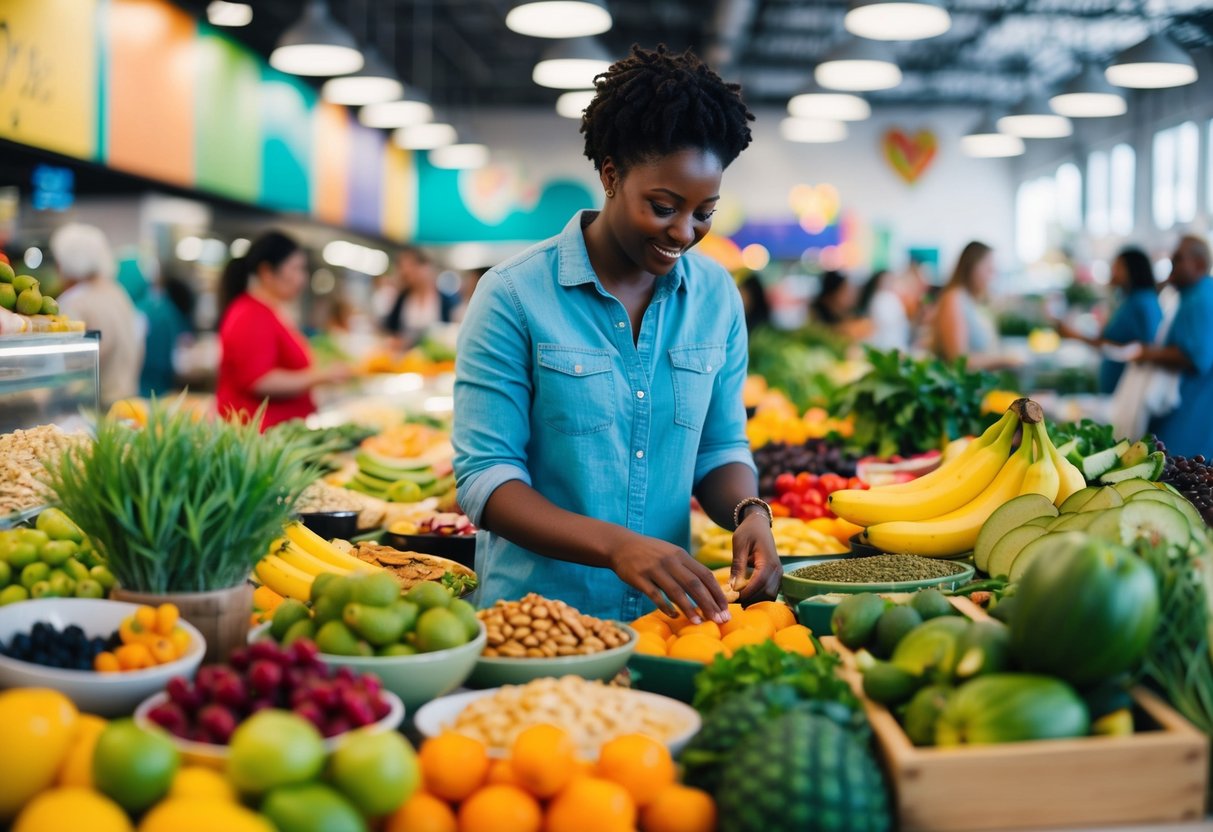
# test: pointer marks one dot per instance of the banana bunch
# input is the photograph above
(294, 561)
(793, 539)
(940, 514)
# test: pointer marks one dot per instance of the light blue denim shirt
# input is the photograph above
(550, 389)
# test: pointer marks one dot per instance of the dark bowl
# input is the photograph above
(341, 525)
(460, 548)
(859, 549)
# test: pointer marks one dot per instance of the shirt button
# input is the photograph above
(708, 369)
(640, 454)
(640, 394)
(577, 368)
(621, 324)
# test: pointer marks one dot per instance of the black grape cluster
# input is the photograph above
(817, 456)
(1192, 477)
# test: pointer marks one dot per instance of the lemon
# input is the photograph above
(61, 809)
(77, 768)
(199, 782)
(201, 815)
(36, 730)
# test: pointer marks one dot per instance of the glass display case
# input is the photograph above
(48, 379)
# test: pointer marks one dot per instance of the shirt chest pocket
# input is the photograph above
(575, 389)
(694, 370)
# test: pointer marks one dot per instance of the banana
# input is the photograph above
(955, 532)
(960, 484)
(955, 465)
(288, 581)
(1042, 477)
(304, 561)
(1071, 479)
(322, 550)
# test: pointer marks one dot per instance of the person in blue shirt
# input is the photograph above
(598, 375)
(1135, 320)
(1188, 349)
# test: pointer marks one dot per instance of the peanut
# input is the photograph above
(537, 626)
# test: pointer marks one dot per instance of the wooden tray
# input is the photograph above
(1154, 776)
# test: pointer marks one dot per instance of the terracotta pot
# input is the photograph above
(221, 615)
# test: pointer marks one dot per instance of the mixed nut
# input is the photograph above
(538, 627)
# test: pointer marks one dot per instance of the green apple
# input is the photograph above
(34, 573)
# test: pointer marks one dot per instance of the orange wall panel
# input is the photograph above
(331, 163)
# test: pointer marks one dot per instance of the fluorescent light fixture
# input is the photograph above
(465, 156)
(1033, 118)
(559, 18)
(573, 104)
(903, 20)
(571, 64)
(985, 142)
(231, 15)
(316, 45)
(1089, 95)
(814, 102)
(404, 113)
(1155, 63)
(357, 258)
(812, 130)
(858, 66)
(375, 83)
(189, 249)
(425, 136)
(239, 246)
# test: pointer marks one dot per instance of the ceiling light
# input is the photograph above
(985, 142)
(460, 156)
(815, 102)
(858, 66)
(413, 109)
(1154, 63)
(904, 20)
(374, 83)
(1089, 95)
(559, 18)
(1032, 118)
(222, 13)
(812, 130)
(316, 45)
(573, 104)
(571, 64)
(425, 136)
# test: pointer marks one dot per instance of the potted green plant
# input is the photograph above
(183, 509)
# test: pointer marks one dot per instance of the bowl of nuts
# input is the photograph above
(537, 637)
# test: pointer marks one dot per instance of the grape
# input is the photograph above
(1193, 478)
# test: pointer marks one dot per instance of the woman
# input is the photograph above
(835, 301)
(599, 374)
(1135, 320)
(962, 324)
(885, 312)
(265, 358)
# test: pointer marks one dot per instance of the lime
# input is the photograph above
(13, 594)
(34, 573)
(41, 589)
(378, 625)
(319, 583)
(103, 576)
(429, 594)
(390, 650)
(378, 589)
(50, 306)
(466, 613)
(8, 297)
(88, 588)
(285, 616)
(35, 536)
(61, 585)
(20, 554)
(6, 574)
(135, 766)
(24, 282)
(336, 639)
(404, 491)
(440, 629)
(59, 526)
(303, 628)
(311, 807)
(6, 272)
(274, 748)
(377, 772)
(76, 570)
(56, 552)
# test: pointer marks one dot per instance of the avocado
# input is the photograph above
(855, 618)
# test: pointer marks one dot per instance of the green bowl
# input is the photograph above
(494, 671)
(674, 678)
(797, 589)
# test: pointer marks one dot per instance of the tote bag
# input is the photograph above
(1147, 390)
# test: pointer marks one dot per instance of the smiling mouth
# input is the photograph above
(671, 253)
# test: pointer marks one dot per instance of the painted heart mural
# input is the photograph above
(909, 155)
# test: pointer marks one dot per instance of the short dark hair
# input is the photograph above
(656, 102)
(1140, 269)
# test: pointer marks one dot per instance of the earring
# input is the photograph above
(610, 193)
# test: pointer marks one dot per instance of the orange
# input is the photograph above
(781, 615)
(453, 766)
(679, 809)
(697, 648)
(500, 809)
(734, 609)
(501, 773)
(742, 638)
(651, 644)
(591, 804)
(543, 759)
(651, 623)
(422, 813)
(708, 628)
(749, 619)
(640, 764)
(796, 639)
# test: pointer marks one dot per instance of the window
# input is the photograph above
(1176, 159)
(1123, 165)
(1035, 212)
(1069, 197)
(1164, 179)
(1209, 170)
(1097, 193)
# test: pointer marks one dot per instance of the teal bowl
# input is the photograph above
(674, 678)
(495, 671)
(797, 589)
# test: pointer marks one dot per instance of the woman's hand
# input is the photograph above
(754, 545)
(665, 573)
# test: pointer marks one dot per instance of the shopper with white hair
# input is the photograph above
(86, 265)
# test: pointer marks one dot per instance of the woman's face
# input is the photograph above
(983, 273)
(663, 207)
(287, 281)
(1120, 274)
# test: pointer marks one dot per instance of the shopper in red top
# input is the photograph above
(264, 356)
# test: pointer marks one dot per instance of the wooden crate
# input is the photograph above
(1154, 776)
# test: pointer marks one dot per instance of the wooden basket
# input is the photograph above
(1155, 776)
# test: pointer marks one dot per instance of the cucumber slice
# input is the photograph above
(1069, 448)
(1011, 515)
(1099, 463)
(1127, 488)
(1012, 544)
(1148, 469)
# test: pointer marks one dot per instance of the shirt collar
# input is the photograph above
(574, 267)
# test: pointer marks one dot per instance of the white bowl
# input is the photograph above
(104, 694)
(215, 756)
(440, 715)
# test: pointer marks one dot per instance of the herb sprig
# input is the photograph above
(815, 677)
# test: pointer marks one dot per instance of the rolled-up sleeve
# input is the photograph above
(1191, 331)
(723, 440)
(492, 395)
